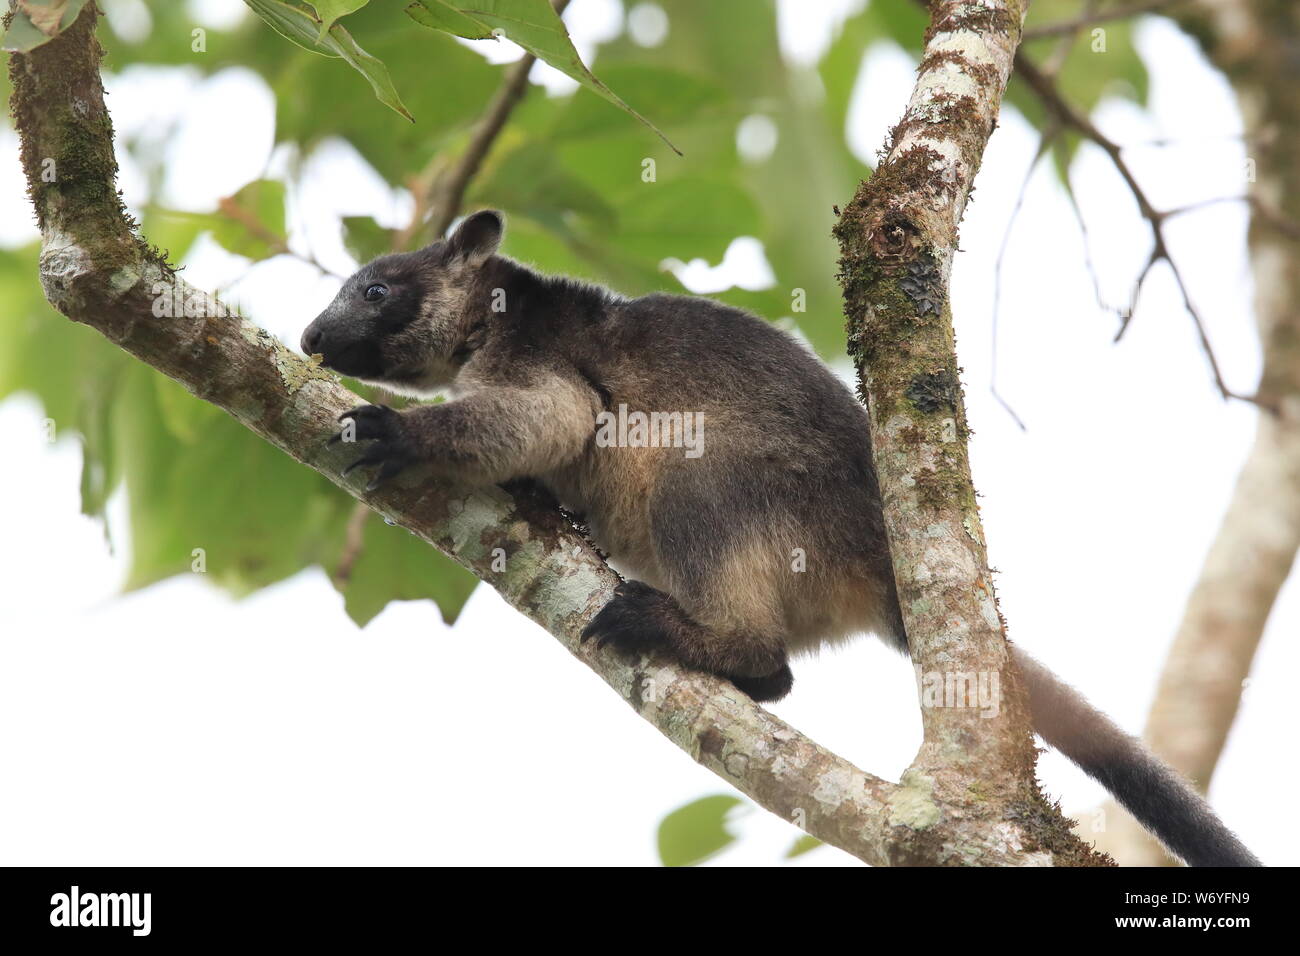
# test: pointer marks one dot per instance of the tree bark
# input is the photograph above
(97, 271)
(898, 238)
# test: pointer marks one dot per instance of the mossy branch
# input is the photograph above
(897, 238)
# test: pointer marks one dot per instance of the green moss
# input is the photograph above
(1046, 828)
(58, 108)
(939, 489)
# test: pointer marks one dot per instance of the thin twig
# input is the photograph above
(1088, 262)
(1045, 88)
(1093, 17)
(1269, 217)
(353, 544)
(1044, 144)
(447, 192)
(1051, 67)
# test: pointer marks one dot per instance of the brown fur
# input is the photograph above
(719, 532)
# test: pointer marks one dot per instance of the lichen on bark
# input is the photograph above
(897, 238)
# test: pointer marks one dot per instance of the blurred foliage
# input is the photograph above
(697, 831)
(532, 24)
(38, 21)
(804, 843)
(1095, 63)
(571, 174)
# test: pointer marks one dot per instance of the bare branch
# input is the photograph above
(353, 543)
(1045, 88)
(1093, 17)
(1254, 550)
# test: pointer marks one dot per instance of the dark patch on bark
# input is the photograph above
(713, 744)
(931, 391)
(923, 284)
(975, 18)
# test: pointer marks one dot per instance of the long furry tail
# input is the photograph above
(1154, 793)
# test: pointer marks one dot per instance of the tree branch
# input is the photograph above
(96, 271)
(1092, 18)
(1255, 548)
(447, 192)
(1045, 88)
(897, 238)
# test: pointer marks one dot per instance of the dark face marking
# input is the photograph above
(402, 320)
(377, 303)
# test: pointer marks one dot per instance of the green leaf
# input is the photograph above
(39, 21)
(535, 26)
(532, 180)
(395, 565)
(671, 96)
(331, 10)
(171, 231)
(315, 100)
(695, 832)
(685, 219)
(803, 844)
(365, 238)
(299, 24)
(250, 223)
(439, 15)
(196, 478)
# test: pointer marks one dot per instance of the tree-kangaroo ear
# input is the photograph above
(478, 236)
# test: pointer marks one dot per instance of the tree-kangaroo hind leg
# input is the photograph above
(723, 615)
(641, 619)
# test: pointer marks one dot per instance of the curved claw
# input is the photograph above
(389, 469)
(365, 411)
(369, 458)
(391, 449)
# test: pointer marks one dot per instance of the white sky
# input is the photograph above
(176, 726)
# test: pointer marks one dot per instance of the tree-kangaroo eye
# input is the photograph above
(376, 292)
